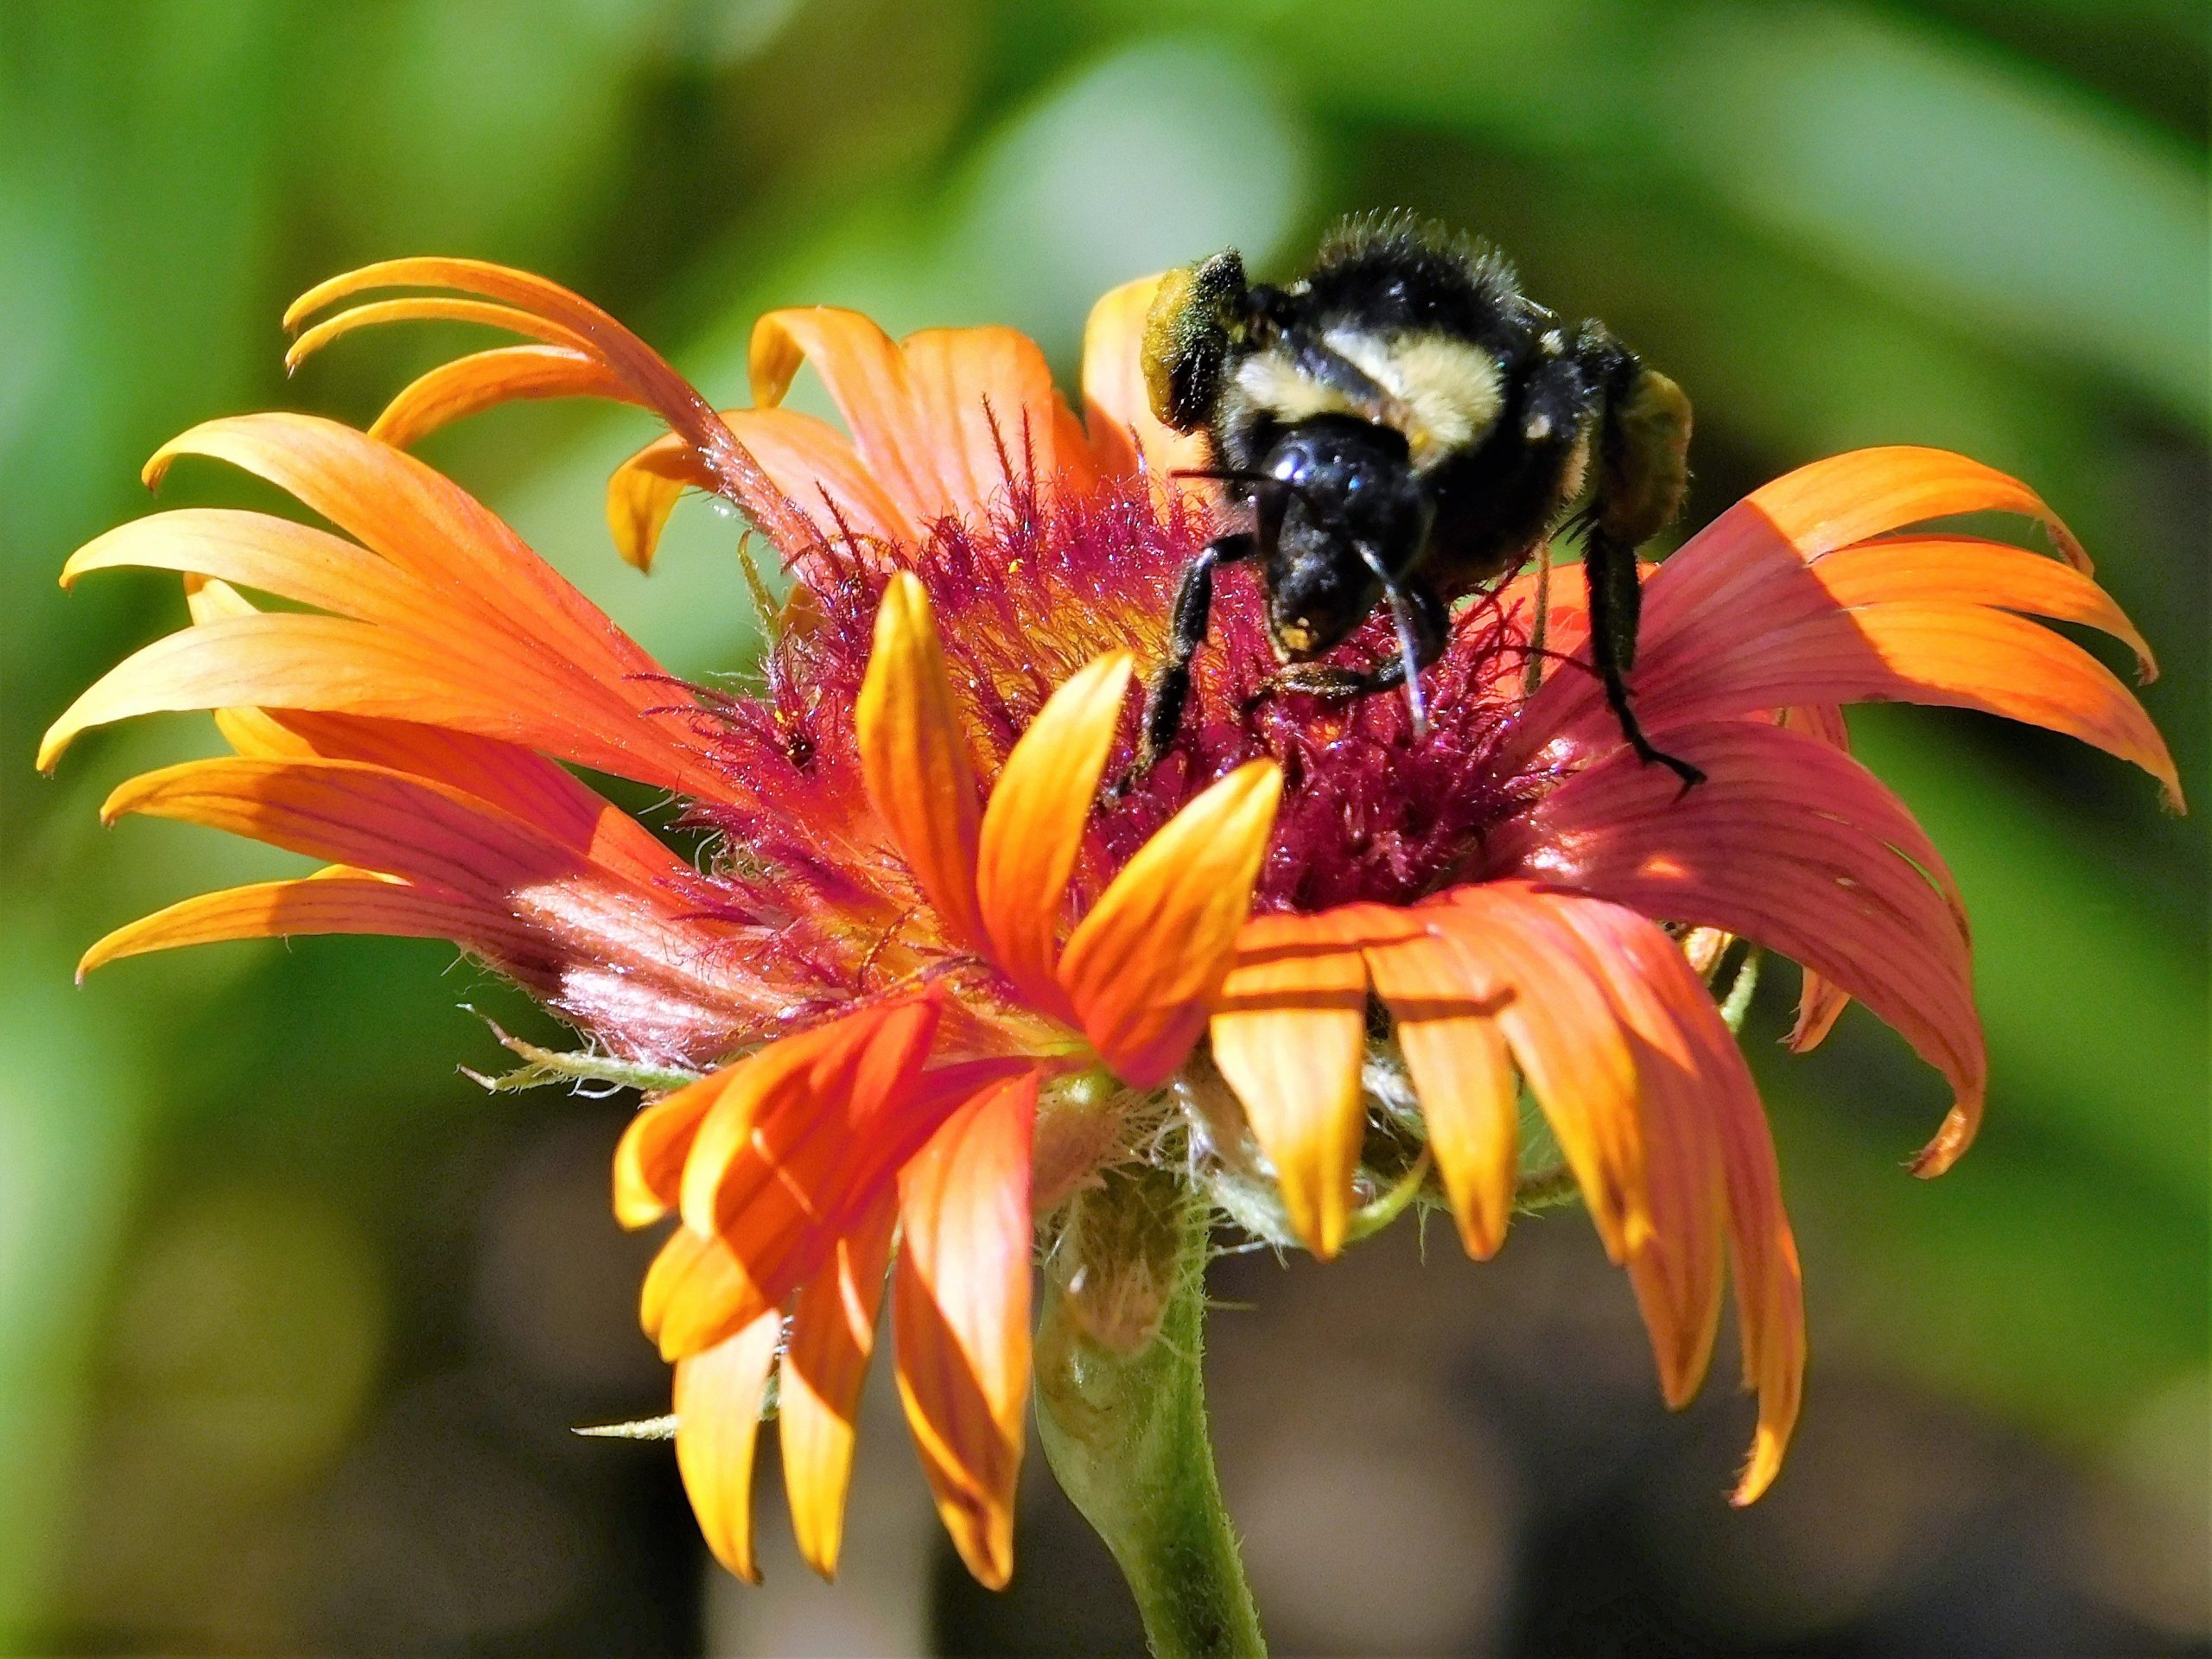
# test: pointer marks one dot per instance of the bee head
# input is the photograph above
(1337, 498)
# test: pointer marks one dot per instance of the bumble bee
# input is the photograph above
(1406, 427)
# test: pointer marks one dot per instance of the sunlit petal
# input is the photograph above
(1141, 966)
(833, 1336)
(1289, 1033)
(960, 1314)
(1795, 844)
(1445, 1008)
(914, 755)
(1566, 1040)
(1033, 826)
(718, 1398)
(469, 385)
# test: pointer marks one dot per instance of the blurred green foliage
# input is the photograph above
(1953, 222)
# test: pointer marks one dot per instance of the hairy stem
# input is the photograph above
(1121, 1410)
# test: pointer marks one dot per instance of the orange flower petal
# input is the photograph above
(1708, 1091)
(649, 1158)
(809, 459)
(642, 492)
(1033, 826)
(1141, 968)
(961, 1317)
(1677, 1272)
(1289, 1033)
(516, 780)
(698, 1290)
(426, 525)
(430, 309)
(914, 756)
(1445, 1006)
(1802, 615)
(818, 467)
(793, 1097)
(1000, 425)
(866, 376)
(1568, 1043)
(694, 1295)
(488, 608)
(469, 385)
(336, 901)
(294, 561)
(354, 814)
(718, 1399)
(311, 566)
(1125, 434)
(1846, 499)
(946, 423)
(646, 376)
(1795, 844)
(592, 943)
(1821, 1003)
(833, 1336)
(291, 660)
(1962, 570)
(1955, 656)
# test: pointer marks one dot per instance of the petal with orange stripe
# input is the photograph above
(1032, 825)
(960, 1314)
(833, 1336)
(1715, 1092)
(796, 1146)
(947, 420)
(1141, 968)
(334, 900)
(1567, 1042)
(1289, 1033)
(1793, 843)
(719, 1393)
(649, 1158)
(469, 385)
(1444, 1005)
(809, 460)
(914, 756)
(1677, 1273)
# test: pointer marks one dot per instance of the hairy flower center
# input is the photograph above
(1022, 600)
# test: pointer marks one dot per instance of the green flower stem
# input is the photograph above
(1121, 1410)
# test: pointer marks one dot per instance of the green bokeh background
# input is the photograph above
(252, 1223)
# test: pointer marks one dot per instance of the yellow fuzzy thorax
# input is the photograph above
(1446, 392)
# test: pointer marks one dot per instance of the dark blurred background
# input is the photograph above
(294, 1318)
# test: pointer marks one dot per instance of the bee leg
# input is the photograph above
(1616, 601)
(1432, 621)
(1640, 473)
(1171, 682)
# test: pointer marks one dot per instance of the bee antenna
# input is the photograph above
(1225, 474)
(1401, 618)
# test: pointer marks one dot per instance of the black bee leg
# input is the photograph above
(1615, 603)
(1431, 623)
(1641, 471)
(1171, 684)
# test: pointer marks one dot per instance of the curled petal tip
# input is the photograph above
(1950, 1141)
(1758, 1474)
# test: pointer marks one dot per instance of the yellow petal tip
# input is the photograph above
(1759, 1472)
